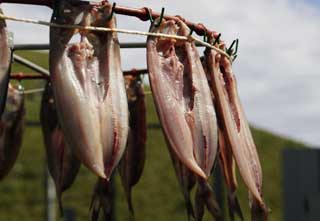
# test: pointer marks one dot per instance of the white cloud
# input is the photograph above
(278, 64)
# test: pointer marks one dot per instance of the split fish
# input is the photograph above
(63, 165)
(5, 60)
(235, 127)
(89, 87)
(184, 105)
(11, 130)
(132, 163)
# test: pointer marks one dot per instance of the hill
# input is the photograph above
(156, 197)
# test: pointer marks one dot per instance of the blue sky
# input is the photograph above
(278, 68)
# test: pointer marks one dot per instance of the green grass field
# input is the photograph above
(156, 197)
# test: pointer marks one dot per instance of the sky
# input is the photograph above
(278, 64)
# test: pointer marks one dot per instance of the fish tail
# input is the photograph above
(189, 206)
(129, 200)
(234, 207)
(208, 198)
(199, 205)
(60, 205)
(259, 212)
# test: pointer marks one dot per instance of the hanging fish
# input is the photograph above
(89, 87)
(132, 162)
(11, 130)
(235, 128)
(102, 199)
(5, 60)
(62, 163)
(183, 101)
(227, 166)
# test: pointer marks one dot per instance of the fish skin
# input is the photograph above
(166, 80)
(132, 163)
(11, 130)
(63, 165)
(102, 200)
(89, 88)
(5, 60)
(234, 124)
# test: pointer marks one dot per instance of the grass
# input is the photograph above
(156, 197)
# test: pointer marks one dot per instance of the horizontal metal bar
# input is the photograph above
(30, 65)
(141, 13)
(129, 45)
(33, 76)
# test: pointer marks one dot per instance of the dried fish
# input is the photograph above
(62, 163)
(11, 130)
(132, 163)
(89, 88)
(5, 59)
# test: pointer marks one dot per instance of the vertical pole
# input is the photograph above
(50, 197)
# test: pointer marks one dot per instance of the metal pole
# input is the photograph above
(31, 65)
(50, 197)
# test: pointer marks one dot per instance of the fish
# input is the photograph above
(166, 76)
(132, 163)
(89, 88)
(11, 130)
(235, 126)
(184, 105)
(102, 199)
(63, 165)
(227, 166)
(5, 63)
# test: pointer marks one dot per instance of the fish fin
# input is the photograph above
(129, 201)
(234, 207)
(259, 212)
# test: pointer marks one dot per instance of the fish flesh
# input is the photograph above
(5, 60)
(173, 93)
(89, 87)
(226, 161)
(132, 163)
(235, 126)
(63, 165)
(184, 105)
(102, 199)
(11, 130)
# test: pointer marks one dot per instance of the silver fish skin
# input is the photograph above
(63, 165)
(132, 163)
(166, 76)
(11, 130)
(5, 60)
(89, 88)
(234, 124)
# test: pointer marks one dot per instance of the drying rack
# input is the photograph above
(144, 14)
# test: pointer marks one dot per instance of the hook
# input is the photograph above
(161, 17)
(230, 49)
(217, 40)
(112, 11)
(191, 30)
(205, 39)
(149, 15)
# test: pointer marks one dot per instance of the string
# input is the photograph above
(124, 31)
